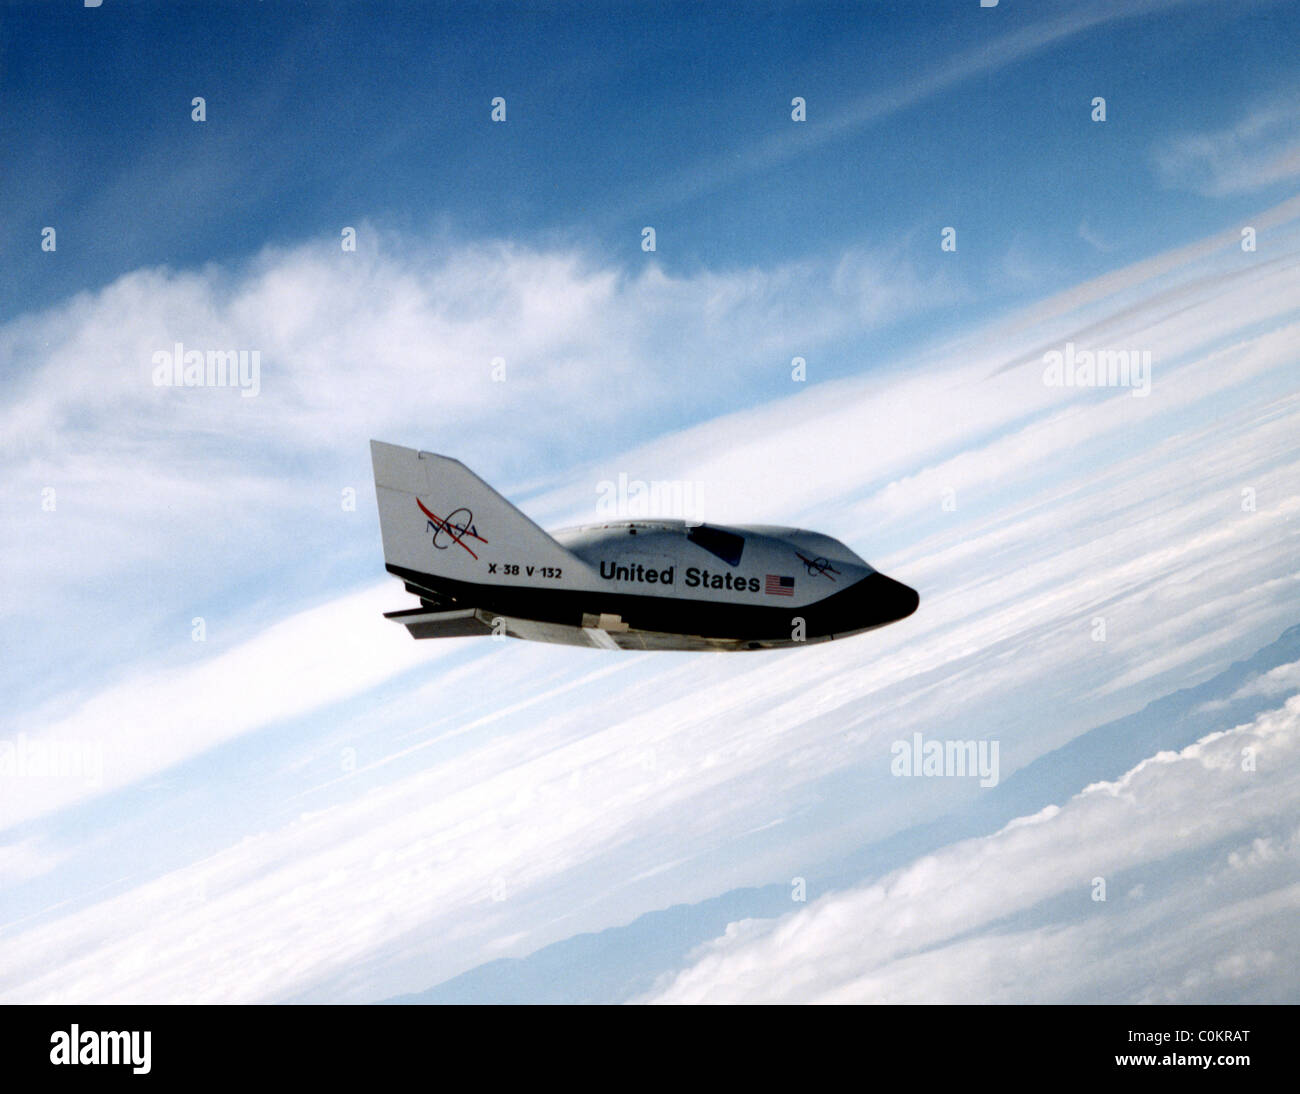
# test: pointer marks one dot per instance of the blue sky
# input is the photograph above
(385, 815)
(678, 114)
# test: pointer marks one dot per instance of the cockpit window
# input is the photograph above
(726, 545)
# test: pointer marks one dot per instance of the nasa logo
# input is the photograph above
(817, 567)
(458, 524)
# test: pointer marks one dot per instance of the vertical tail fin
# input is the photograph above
(438, 518)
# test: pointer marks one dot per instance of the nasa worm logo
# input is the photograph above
(458, 524)
(818, 566)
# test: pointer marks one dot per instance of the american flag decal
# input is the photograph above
(779, 586)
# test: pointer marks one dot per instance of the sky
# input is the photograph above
(224, 777)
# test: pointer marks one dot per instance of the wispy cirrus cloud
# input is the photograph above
(1259, 150)
(1055, 23)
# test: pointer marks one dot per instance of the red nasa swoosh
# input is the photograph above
(451, 529)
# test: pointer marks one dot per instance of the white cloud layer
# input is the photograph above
(1197, 856)
(514, 795)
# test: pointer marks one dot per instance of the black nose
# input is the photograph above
(874, 601)
(897, 601)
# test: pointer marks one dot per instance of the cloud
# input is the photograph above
(395, 341)
(514, 795)
(25, 859)
(1090, 236)
(158, 717)
(405, 339)
(1212, 923)
(1059, 23)
(1276, 681)
(1261, 149)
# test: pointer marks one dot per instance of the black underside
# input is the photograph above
(871, 602)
